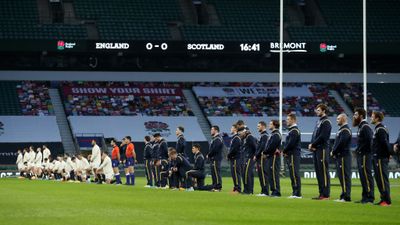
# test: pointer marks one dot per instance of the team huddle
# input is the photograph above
(170, 167)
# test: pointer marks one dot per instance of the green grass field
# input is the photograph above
(39, 202)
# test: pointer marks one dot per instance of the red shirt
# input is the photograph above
(130, 150)
(115, 152)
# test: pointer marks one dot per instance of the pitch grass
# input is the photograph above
(39, 202)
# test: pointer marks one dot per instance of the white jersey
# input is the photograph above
(106, 165)
(38, 159)
(57, 165)
(46, 153)
(83, 164)
(75, 164)
(20, 162)
(96, 156)
(61, 167)
(68, 165)
(26, 157)
(31, 157)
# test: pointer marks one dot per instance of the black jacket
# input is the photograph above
(249, 146)
(216, 148)
(162, 149)
(235, 149)
(199, 162)
(181, 145)
(342, 144)
(293, 141)
(148, 151)
(364, 138)
(380, 142)
(262, 144)
(321, 134)
(274, 142)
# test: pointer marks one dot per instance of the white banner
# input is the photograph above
(16, 129)
(137, 126)
(251, 91)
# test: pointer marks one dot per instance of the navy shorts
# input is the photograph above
(115, 163)
(129, 162)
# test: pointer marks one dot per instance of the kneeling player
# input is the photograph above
(105, 170)
(197, 173)
(180, 166)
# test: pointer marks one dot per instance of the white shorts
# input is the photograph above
(39, 165)
(30, 165)
(94, 165)
(109, 176)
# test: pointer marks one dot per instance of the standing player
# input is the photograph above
(95, 158)
(162, 159)
(130, 161)
(234, 156)
(215, 157)
(198, 172)
(272, 155)
(181, 142)
(105, 169)
(341, 152)
(46, 152)
(363, 154)
(249, 151)
(148, 154)
(20, 161)
(261, 163)
(115, 159)
(320, 147)
(292, 152)
(381, 154)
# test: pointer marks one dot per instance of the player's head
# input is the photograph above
(377, 117)
(172, 153)
(93, 142)
(196, 148)
(157, 136)
(19, 151)
(38, 150)
(291, 119)
(234, 129)
(113, 142)
(128, 139)
(44, 146)
(104, 154)
(31, 148)
(147, 139)
(274, 124)
(214, 130)
(179, 130)
(321, 110)
(261, 126)
(341, 119)
(73, 159)
(240, 123)
(79, 156)
(359, 115)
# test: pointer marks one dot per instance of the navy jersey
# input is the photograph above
(262, 144)
(216, 148)
(342, 144)
(148, 151)
(273, 143)
(249, 146)
(364, 138)
(163, 149)
(321, 134)
(181, 145)
(235, 148)
(293, 141)
(380, 142)
(199, 162)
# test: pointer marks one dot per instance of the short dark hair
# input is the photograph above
(292, 116)
(322, 106)
(182, 129)
(171, 151)
(113, 140)
(147, 138)
(240, 122)
(197, 146)
(378, 115)
(276, 123)
(361, 112)
(215, 127)
(262, 123)
(129, 138)
(157, 135)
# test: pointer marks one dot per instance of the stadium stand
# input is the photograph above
(127, 104)
(9, 102)
(34, 98)
(387, 95)
(124, 19)
(20, 20)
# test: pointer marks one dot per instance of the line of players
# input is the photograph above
(169, 167)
